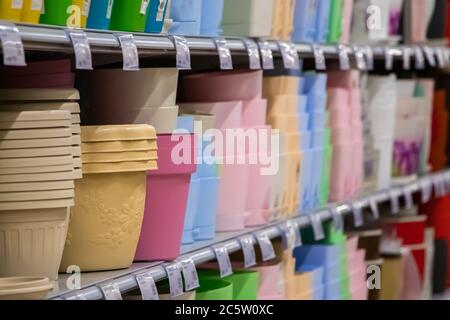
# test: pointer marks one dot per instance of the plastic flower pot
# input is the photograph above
(306, 178)
(360, 294)
(340, 171)
(11, 10)
(211, 17)
(228, 114)
(316, 178)
(186, 28)
(166, 200)
(118, 146)
(55, 12)
(31, 11)
(317, 255)
(156, 16)
(112, 157)
(24, 288)
(254, 113)
(357, 278)
(333, 290)
(214, 290)
(192, 208)
(270, 275)
(37, 169)
(129, 15)
(35, 238)
(100, 14)
(281, 85)
(305, 13)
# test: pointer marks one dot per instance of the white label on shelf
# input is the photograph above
(248, 250)
(109, 9)
(407, 58)
(83, 57)
(190, 274)
(266, 246)
(183, 53)
(373, 203)
(226, 61)
(360, 58)
(344, 59)
(319, 57)
(316, 223)
(223, 259)
(266, 55)
(440, 57)
(160, 12)
(357, 214)
(12, 46)
(43, 7)
(86, 7)
(36, 5)
(253, 54)
(407, 195)
(369, 57)
(439, 185)
(338, 221)
(147, 286)
(429, 54)
(389, 58)
(419, 57)
(111, 291)
(144, 6)
(290, 235)
(175, 280)
(289, 55)
(426, 189)
(17, 4)
(129, 52)
(394, 195)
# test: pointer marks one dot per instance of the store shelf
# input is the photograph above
(202, 252)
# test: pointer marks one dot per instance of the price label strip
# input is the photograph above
(226, 61)
(439, 186)
(289, 55)
(369, 58)
(12, 46)
(426, 189)
(223, 259)
(183, 53)
(429, 55)
(290, 235)
(254, 58)
(111, 291)
(361, 63)
(190, 274)
(439, 52)
(357, 214)
(317, 226)
(344, 59)
(373, 203)
(248, 249)
(395, 202)
(175, 280)
(407, 195)
(388, 58)
(338, 221)
(319, 57)
(266, 247)
(129, 52)
(419, 57)
(147, 286)
(82, 49)
(407, 58)
(266, 55)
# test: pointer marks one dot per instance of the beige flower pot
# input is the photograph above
(35, 143)
(35, 133)
(33, 241)
(118, 146)
(36, 152)
(112, 157)
(36, 162)
(24, 288)
(36, 195)
(36, 186)
(118, 167)
(43, 169)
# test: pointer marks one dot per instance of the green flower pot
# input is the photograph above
(55, 12)
(212, 289)
(127, 15)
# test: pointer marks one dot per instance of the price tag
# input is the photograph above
(389, 58)
(338, 221)
(253, 54)
(224, 261)
(111, 291)
(83, 57)
(357, 214)
(190, 274)
(109, 9)
(129, 52)
(161, 8)
(183, 53)
(266, 246)
(12, 46)
(316, 223)
(344, 59)
(36, 5)
(395, 204)
(289, 55)
(17, 4)
(226, 62)
(291, 235)
(419, 57)
(407, 58)
(426, 189)
(369, 57)
(360, 58)
(429, 54)
(446, 56)
(248, 249)
(440, 58)
(319, 57)
(266, 55)
(373, 203)
(175, 280)
(407, 194)
(147, 286)
(144, 6)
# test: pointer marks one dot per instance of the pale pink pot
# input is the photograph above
(270, 279)
(228, 114)
(254, 113)
(360, 294)
(340, 176)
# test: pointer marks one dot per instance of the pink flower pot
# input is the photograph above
(361, 293)
(270, 279)
(254, 112)
(357, 278)
(341, 166)
(228, 114)
(165, 205)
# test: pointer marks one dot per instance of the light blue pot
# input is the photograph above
(186, 17)
(304, 121)
(306, 179)
(319, 120)
(314, 83)
(100, 14)
(211, 19)
(302, 102)
(156, 16)
(191, 210)
(322, 21)
(305, 14)
(333, 290)
(185, 28)
(205, 219)
(316, 178)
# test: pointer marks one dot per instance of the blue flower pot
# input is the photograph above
(100, 14)
(191, 210)
(305, 14)
(322, 21)
(211, 19)
(205, 219)
(156, 16)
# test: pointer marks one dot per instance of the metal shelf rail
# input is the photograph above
(127, 281)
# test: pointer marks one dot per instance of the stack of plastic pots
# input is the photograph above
(282, 19)
(270, 280)
(247, 18)
(186, 17)
(305, 15)
(31, 11)
(211, 19)
(15, 100)
(24, 288)
(357, 271)
(36, 167)
(106, 220)
(297, 285)
(166, 199)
